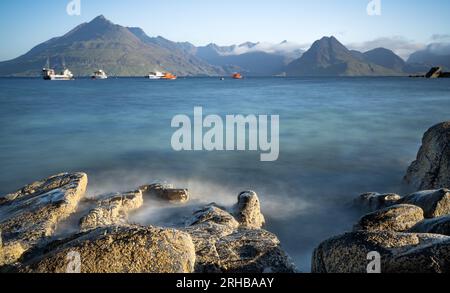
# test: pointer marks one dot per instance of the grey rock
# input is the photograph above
(396, 218)
(112, 209)
(431, 258)
(435, 203)
(348, 253)
(165, 192)
(373, 201)
(225, 245)
(30, 215)
(248, 210)
(439, 225)
(431, 170)
(116, 250)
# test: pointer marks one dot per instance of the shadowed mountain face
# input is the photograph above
(116, 49)
(328, 57)
(433, 55)
(385, 58)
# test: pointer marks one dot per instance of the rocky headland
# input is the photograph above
(214, 239)
(410, 233)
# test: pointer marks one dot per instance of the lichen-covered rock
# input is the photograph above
(396, 218)
(206, 227)
(373, 201)
(31, 214)
(223, 245)
(116, 250)
(165, 192)
(252, 251)
(248, 210)
(348, 253)
(112, 209)
(431, 170)
(435, 203)
(431, 258)
(439, 225)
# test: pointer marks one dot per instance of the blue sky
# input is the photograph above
(25, 23)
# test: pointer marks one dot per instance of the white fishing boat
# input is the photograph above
(156, 75)
(50, 74)
(99, 74)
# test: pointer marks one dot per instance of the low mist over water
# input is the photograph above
(339, 137)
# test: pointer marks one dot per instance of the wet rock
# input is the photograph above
(435, 203)
(396, 218)
(431, 258)
(348, 253)
(248, 210)
(431, 170)
(439, 225)
(206, 227)
(30, 215)
(373, 201)
(112, 209)
(116, 250)
(252, 251)
(165, 192)
(224, 245)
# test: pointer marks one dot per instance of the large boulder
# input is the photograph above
(349, 253)
(225, 244)
(431, 170)
(430, 258)
(439, 225)
(31, 214)
(112, 209)
(116, 250)
(165, 192)
(435, 203)
(248, 210)
(373, 201)
(397, 218)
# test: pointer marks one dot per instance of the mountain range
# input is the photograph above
(129, 51)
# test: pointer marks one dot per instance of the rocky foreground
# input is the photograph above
(214, 240)
(411, 233)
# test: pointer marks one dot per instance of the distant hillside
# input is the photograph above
(248, 58)
(328, 57)
(385, 58)
(433, 55)
(118, 50)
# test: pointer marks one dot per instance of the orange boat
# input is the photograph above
(168, 75)
(237, 76)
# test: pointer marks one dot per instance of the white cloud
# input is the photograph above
(284, 48)
(399, 45)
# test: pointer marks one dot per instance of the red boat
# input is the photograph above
(237, 76)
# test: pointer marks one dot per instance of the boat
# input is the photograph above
(99, 74)
(162, 75)
(170, 76)
(155, 75)
(237, 76)
(50, 74)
